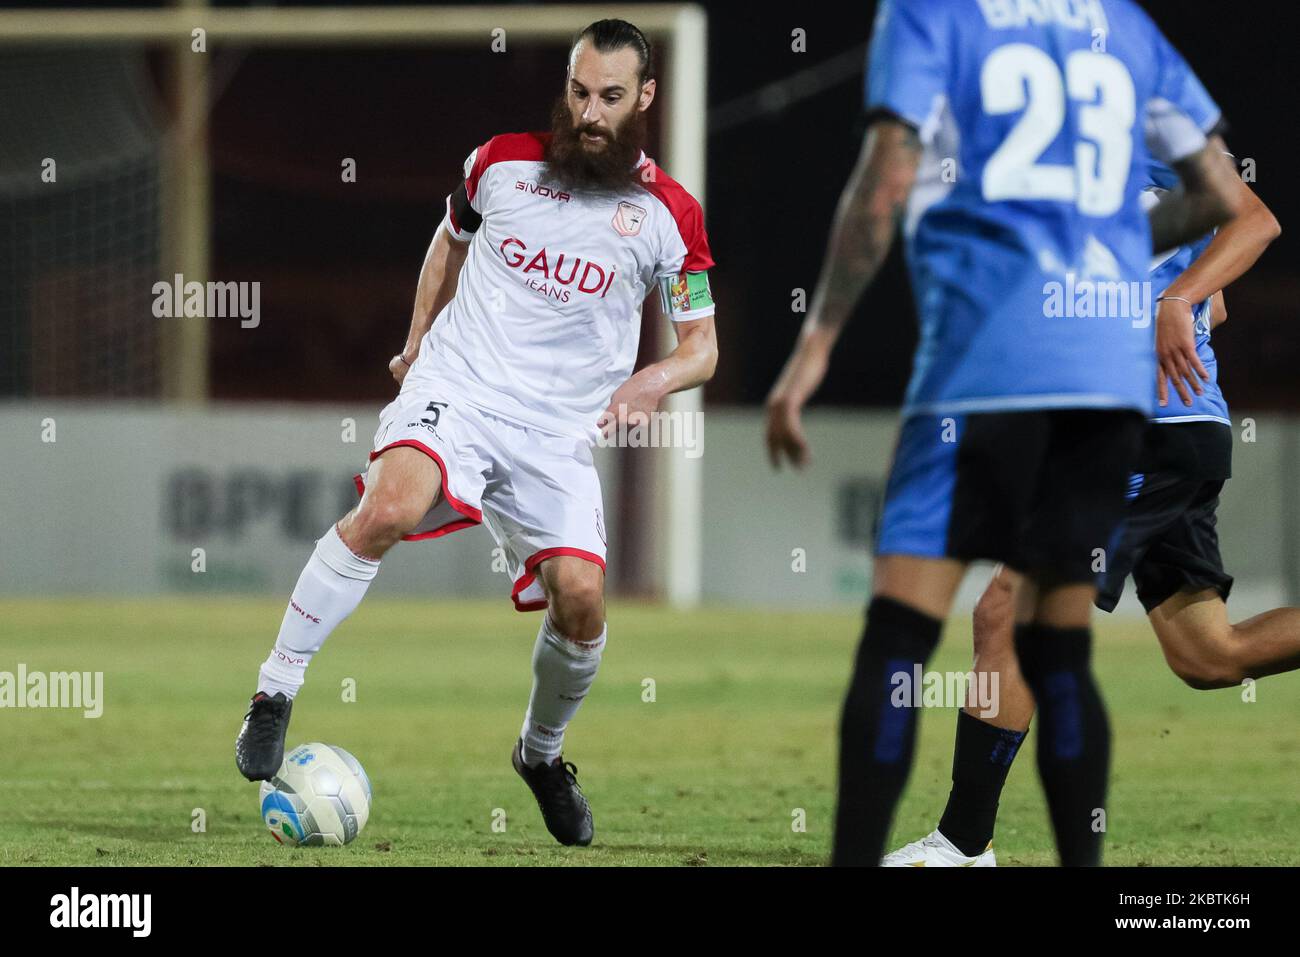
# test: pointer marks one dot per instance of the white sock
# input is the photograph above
(563, 671)
(330, 587)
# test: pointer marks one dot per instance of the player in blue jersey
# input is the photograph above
(1168, 543)
(1011, 142)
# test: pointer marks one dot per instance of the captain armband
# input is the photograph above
(686, 296)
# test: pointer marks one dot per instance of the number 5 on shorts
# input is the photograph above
(435, 408)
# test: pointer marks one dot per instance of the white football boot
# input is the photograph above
(935, 850)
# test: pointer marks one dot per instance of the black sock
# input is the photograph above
(1073, 736)
(980, 762)
(876, 737)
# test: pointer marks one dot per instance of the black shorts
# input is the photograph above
(1041, 490)
(1168, 540)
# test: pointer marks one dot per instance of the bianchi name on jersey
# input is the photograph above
(1037, 122)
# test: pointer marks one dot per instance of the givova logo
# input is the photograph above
(103, 910)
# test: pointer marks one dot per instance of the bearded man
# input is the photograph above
(521, 351)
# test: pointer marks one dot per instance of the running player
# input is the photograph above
(1026, 132)
(522, 344)
(1168, 543)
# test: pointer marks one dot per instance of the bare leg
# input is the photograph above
(993, 631)
(926, 584)
(401, 486)
(988, 738)
(1204, 649)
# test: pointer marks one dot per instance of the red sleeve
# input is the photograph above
(501, 149)
(691, 225)
(689, 217)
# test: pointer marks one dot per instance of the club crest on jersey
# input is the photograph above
(628, 219)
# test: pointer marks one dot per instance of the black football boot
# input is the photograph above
(564, 809)
(259, 749)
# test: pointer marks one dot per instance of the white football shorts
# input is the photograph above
(538, 493)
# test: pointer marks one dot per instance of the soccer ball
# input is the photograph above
(320, 795)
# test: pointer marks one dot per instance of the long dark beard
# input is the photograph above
(570, 166)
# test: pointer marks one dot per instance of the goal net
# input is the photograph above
(132, 152)
(79, 224)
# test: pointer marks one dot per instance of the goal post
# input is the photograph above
(675, 536)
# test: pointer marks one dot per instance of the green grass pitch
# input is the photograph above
(713, 771)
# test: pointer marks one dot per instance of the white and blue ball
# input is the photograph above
(321, 796)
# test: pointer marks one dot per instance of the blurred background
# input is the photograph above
(137, 448)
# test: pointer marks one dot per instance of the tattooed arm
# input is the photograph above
(870, 209)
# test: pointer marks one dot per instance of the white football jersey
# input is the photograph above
(546, 319)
